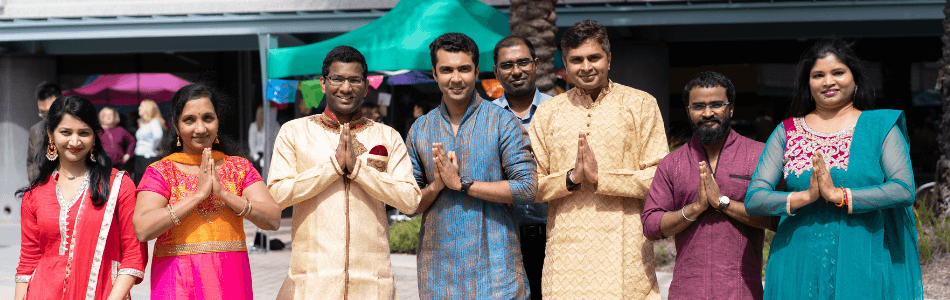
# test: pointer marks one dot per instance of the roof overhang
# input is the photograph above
(233, 31)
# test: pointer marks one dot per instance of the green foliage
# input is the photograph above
(769, 235)
(663, 256)
(933, 233)
(404, 236)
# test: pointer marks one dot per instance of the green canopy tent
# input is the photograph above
(400, 38)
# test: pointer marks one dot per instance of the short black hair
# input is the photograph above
(454, 42)
(709, 79)
(48, 89)
(582, 31)
(344, 54)
(511, 41)
(802, 101)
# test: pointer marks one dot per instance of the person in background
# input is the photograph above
(371, 111)
(338, 170)
(474, 160)
(117, 141)
(597, 147)
(195, 201)
(847, 228)
(147, 137)
(515, 67)
(256, 139)
(719, 250)
(77, 237)
(150, 132)
(46, 93)
(418, 110)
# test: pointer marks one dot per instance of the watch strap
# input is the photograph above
(466, 184)
(570, 184)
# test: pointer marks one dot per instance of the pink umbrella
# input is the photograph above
(130, 89)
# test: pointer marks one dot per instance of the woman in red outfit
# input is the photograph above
(76, 220)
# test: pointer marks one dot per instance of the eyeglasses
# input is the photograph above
(339, 80)
(522, 63)
(714, 106)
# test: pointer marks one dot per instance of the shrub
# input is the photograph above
(933, 232)
(404, 236)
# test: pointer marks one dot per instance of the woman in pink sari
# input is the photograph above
(76, 220)
(195, 201)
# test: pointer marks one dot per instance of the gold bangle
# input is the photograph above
(172, 215)
(788, 204)
(247, 208)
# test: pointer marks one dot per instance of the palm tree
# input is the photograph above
(535, 21)
(942, 179)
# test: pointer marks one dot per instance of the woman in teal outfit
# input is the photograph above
(847, 230)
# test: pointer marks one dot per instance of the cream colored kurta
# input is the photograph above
(340, 229)
(596, 248)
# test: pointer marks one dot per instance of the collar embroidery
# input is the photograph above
(328, 121)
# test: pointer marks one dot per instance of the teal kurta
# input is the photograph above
(822, 251)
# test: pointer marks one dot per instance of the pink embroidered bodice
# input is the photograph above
(802, 142)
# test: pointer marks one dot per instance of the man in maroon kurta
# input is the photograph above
(718, 245)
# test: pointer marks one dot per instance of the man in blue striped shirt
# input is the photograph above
(473, 160)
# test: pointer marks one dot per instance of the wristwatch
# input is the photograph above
(570, 184)
(466, 183)
(723, 203)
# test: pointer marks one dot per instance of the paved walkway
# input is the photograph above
(268, 269)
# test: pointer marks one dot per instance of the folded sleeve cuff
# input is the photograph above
(132, 272)
(356, 169)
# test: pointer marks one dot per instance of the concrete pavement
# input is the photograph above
(267, 269)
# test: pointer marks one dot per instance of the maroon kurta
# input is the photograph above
(44, 256)
(117, 142)
(717, 257)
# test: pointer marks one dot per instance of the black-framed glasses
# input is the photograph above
(702, 106)
(522, 63)
(339, 80)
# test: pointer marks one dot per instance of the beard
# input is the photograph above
(708, 135)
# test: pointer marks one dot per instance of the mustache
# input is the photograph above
(710, 119)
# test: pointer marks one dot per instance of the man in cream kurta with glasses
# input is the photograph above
(339, 170)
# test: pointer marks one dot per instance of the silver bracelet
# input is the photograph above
(683, 212)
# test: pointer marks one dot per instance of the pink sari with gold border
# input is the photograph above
(206, 256)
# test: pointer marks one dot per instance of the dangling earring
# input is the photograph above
(51, 153)
(178, 140)
(92, 157)
(216, 141)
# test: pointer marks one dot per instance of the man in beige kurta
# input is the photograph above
(339, 192)
(597, 147)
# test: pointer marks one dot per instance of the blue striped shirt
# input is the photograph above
(468, 247)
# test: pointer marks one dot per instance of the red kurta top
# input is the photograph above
(45, 253)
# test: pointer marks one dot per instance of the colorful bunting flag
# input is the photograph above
(375, 81)
(280, 92)
(493, 88)
(312, 93)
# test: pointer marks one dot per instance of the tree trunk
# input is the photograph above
(535, 21)
(942, 189)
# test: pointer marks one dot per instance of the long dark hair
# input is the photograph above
(222, 107)
(99, 171)
(802, 102)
